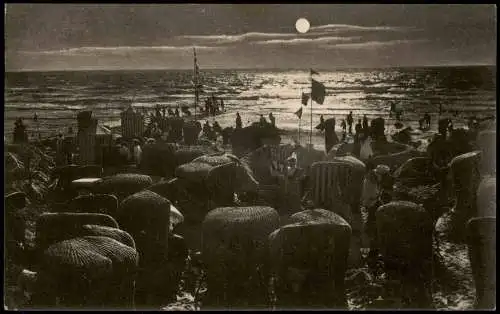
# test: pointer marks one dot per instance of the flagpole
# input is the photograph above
(311, 130)
(300, 118)
(299, 130)
(195, 84)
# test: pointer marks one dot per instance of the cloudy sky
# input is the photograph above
(149, 36)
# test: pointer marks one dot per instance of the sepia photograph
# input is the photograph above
(201, 156)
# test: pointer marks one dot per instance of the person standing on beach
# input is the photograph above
(216, 127)
(222, 105)
(376, 192)
(272, 119)
(331, 138)
(350, 120)
(206, 128)
(238, 121)
(60, 151)
(20, 134)
(290, 179)
(137, 152)
(343, 125)
(427, 118)
(262, 121)
(358, 128)
(365, 151)
(124, 153)
(177, 114)
(365, 123)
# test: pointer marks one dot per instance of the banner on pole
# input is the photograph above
(318, 92)
(305, 99)
(298, 113)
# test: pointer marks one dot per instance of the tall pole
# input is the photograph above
(299, 130)
(311, 130)
(195, 84)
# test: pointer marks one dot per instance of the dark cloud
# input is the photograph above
(65, 36)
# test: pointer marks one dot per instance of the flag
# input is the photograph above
(305, 99)
(318, 92)
(298, 113)
(314, 72)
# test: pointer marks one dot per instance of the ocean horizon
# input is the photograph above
(279, 69)
(57, 96)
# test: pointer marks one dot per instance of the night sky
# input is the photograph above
(95, 36)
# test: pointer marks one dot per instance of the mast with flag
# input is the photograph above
(195, 82)
(298, 113)
(318, 92)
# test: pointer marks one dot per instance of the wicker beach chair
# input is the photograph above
(330, 181)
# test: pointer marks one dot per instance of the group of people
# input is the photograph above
(425, 122)
(362, 130)
(211, 132)
(214, 105)
(164, 112)
(262, 120)
(124, 155)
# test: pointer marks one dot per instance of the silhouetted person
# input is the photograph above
(262, 120)
(358, 127)
(272, 119)
(207, 105)
(164, 112)
(365, 123)
(450, 126)
(421, 123)
(343, 125)
(330, 135)
(350, 121)
(60, 153)
(137, 153)
(124, 153)
(217, 128)
(170, 112)
(393, 109)
(177, 114)
(206, 128)
(222, 105)
(226, 135)
(20, 133)
(239, 125)
(427, 118)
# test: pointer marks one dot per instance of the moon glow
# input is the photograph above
(302, 25)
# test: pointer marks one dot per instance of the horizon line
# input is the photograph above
(256, 68)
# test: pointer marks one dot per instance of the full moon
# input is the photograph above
(302, 25)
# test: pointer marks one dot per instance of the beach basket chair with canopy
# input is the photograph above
(260, 161)
(481, 240)
(329, 186)
(132, 123)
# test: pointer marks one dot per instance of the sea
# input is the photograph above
(57, 97)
